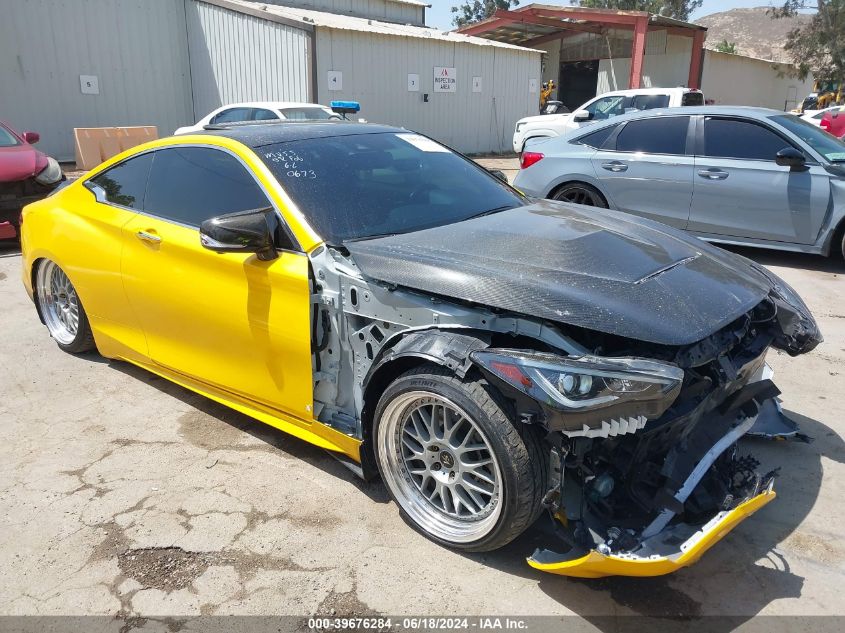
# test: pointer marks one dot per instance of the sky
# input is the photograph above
(440, 13)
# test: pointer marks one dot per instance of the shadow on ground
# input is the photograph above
(731, 565)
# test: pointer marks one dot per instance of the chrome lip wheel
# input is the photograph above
(59, 302)
(440, 467)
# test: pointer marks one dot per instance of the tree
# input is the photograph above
(818, 47)
(726, 47)
(678, 9)
(477, 10)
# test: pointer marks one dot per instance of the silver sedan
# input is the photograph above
(735, 175)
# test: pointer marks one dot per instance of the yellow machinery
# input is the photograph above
(546, 93)
(824, 95)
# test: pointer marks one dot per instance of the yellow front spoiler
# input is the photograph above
(596, 565)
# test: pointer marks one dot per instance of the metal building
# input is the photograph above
(93, 63)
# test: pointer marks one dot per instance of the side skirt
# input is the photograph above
(312, 432)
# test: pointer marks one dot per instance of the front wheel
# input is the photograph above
(61, 309)
(459, 469)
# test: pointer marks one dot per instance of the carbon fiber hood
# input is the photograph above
(596, 269)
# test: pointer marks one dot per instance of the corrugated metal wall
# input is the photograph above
(237, 57)
(376, 9)
(660, 70)
(737, 80)
(136, 49)
(375, 72)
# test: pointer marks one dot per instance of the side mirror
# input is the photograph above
(498, 173)
(582, 115)
(31, 137)
(241, 232)
(790, 157)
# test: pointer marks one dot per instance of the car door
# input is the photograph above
(645, 168)
(600, 109)
(228, 320)
(114, 197)
(740, 191)
(263, 114)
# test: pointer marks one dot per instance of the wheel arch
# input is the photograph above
(436, 346)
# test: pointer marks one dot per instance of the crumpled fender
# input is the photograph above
(594, 564)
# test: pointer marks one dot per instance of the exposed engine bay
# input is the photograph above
(642, 435)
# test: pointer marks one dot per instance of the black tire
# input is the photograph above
(518, 448)
(580, 193)
(82, 339)
(837, 245)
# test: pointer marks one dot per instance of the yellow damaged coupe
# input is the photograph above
(494, 358)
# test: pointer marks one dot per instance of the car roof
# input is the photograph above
(276, 105)
(745, 111)
(257, 135)
(645, 91)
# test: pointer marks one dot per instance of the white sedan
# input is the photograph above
(815, 116)
(262, 111)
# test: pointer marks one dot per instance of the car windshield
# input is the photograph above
(306, 114)
(368, 185)
(7, 139)
(825, 144)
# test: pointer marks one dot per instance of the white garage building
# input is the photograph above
(94, 63)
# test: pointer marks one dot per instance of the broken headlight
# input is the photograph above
(582, 383)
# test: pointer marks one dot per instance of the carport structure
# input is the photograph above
(537, 24)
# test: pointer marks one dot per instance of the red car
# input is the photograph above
(26, 175)
(834, 122)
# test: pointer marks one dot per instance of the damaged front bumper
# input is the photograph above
(670, 550)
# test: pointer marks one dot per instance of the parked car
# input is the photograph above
(833, 121)
(815, 116)
(601, 108)
(368, 290)
(262, 111)
(25, 176)
(727, 174)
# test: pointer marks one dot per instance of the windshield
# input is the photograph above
(366, 185)
(825, 144)
(306, 114)
(7, 139)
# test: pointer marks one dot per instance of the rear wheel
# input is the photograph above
(460, 471)
(61, 309)
(579, 193)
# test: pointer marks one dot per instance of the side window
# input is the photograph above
(262, 114)
(606, 107)
(692, 99)
(125, 183)
(730, 138)
(660, 135)
(650, 102)
(597, 139)
(232, 115)
(191, 184)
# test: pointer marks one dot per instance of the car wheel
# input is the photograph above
(580, 194)
(459, 469)
(61, 309)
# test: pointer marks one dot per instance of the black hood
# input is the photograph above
(593, 268)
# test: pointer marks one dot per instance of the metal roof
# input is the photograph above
(541, 21)
(309, 19)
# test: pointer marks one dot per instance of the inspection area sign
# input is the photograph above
(445, 79)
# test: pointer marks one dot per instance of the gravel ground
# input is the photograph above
(124, 495)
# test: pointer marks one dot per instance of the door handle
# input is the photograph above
(615, 166)
(713, 174)
(148, 237)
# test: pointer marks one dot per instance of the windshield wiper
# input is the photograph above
(505, 207)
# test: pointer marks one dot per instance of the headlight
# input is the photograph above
(577, 384)
(51, 174)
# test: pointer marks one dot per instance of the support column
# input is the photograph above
(696, 58)
(638, 52)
